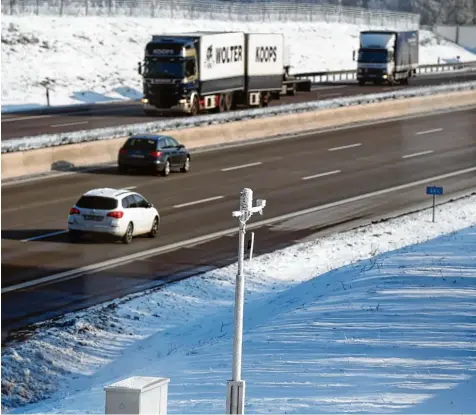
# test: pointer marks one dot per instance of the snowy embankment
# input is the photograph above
(340, 324)
(51, 140)
(94, 59)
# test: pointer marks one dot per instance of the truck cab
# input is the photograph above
(375, 58)
(169, 72)
(386, 56)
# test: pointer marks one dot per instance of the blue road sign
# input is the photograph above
(434, 190)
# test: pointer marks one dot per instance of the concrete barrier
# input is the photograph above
(71, 156)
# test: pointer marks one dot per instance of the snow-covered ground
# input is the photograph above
(94, 59)
(362, 321)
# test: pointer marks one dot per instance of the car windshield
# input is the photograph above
(164, 67)
(97, 202)
(373, 56)
(141, 144)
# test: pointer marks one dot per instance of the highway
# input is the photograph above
(367, 164)
(115, 114)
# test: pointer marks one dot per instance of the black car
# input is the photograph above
(159, 153)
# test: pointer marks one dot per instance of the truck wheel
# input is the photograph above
(221, 103)
(228, 101)
(361, 82)
(194, 110)
(264, 99)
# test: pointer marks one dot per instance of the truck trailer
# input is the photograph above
(387, 56)
(213, 71)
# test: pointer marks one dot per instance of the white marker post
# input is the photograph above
(235, 397)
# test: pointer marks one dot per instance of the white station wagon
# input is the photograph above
(116, 212)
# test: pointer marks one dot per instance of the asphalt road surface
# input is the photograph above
(106, 115)
(291, 174)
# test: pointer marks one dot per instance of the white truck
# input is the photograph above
(213, 71)
(387, 56)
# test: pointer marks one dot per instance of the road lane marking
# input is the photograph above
(344, 147)
(328, 173)
(242, 166)
(122, 108)
(421, 153)
(88, 269)
(50, 202)
(435, 130)
(68, 124)
(11, 182)
(30, 117)
(46, 235)
(330, 95)
(196, 202)
(323, 88)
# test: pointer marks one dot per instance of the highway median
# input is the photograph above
(70, 151)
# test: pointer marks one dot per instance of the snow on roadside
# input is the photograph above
(106, 343)
(94, 59)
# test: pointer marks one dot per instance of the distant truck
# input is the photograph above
(387, 56)
(214, 71)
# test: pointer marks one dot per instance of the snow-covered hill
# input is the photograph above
(94, 59)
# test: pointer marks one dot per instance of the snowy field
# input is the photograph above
(94, 59)
(362, 321)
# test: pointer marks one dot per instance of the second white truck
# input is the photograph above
(387, 56)
(197, 72)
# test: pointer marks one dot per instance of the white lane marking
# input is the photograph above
(435, 130)
(249, 143)
(421, 153)
(30, 117)
(242, 166)
(344, 147)
(85, 112)
(49, 202)
(196, 202)
(46, 235)
(328, 173)
(323, 88)
(68, 124)
(330, 95)
(74, 273)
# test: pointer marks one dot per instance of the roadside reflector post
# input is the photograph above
(235, 392)
(138, 395)
(434, 191)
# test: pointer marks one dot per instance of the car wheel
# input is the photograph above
(74, 236)
(166, 170)
(186, 166)
(127, 238)
(122, 169)
(155, 228)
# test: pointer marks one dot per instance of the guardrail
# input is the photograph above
(350, 74)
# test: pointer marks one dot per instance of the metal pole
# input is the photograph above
(235, 397)
(433, 208)
(239, 299)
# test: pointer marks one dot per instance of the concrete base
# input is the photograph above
(235, 397)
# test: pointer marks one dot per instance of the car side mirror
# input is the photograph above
(149, 205)
(180, 146)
